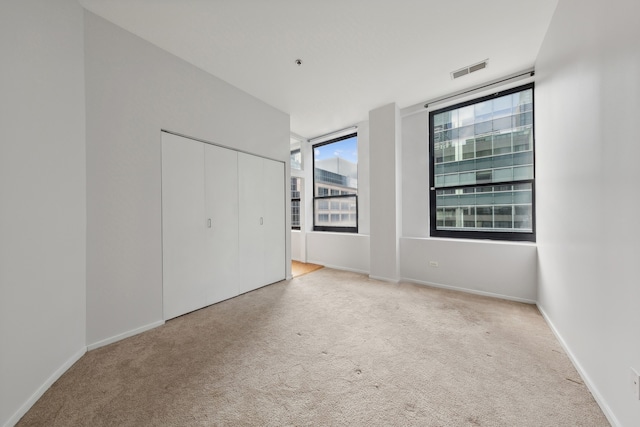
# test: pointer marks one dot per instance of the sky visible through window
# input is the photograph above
(346, 149)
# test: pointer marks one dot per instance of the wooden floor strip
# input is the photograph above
(301, 268)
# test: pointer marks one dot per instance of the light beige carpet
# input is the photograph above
(330, 348)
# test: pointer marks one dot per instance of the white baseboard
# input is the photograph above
(469, 291)
(384, 279)
(583, 374)
(44, 387)
(338, 267)
(124, 335)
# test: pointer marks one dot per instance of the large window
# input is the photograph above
(482, 168)
(335, 185)
(296, 188)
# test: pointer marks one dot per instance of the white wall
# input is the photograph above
(502, 269)
(415, 175)
(499, 269)
(298, 243)
(43, 198)
(385, 201)
(339, 250)
(364, 180)
(587, 110)
(134, 90)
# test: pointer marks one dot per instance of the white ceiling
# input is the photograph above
(357, 54)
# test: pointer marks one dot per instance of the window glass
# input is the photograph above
(296, 159)
(295, 214)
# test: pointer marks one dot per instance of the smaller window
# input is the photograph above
(296, 159)
(296, 188)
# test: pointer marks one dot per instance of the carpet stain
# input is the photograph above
(474, 421)
(410, 407)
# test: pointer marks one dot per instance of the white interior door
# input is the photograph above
(183, 225)
(221, 190)
(251, 221)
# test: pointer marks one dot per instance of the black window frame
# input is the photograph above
(515, 236)
(337, 229)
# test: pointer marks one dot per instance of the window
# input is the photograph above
(296, 159)
(296, 186)
(482, 168)
(335, 185)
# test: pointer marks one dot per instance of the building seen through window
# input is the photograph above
(335, 182)
(296, 188)
(296, 159)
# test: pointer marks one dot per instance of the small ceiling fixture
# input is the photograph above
(469, 69)
(298, 62)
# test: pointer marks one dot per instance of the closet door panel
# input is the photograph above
(274, 222)
(221, 189)
(250, 228)
(183, 225)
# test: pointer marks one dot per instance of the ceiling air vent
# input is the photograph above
(460, 73)
(469, 69)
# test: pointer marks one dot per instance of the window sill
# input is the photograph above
(478, 241)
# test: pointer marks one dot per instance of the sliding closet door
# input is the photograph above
(273, 180)
(262, 221)
(221, 201)
(251, 230)
(184, 246)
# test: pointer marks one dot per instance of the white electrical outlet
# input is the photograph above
(635, 383)
(434, 264)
